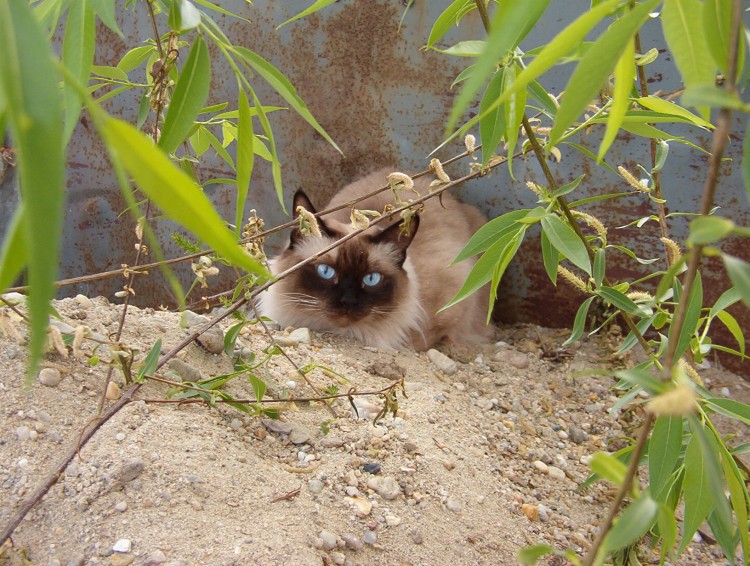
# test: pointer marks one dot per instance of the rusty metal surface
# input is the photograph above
(384, 101)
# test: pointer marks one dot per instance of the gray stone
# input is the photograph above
(370, 537)
(442, 362)
(189, 319)
(84, 302)
(331, 442)
(577, 435)
(156, 557)
(295, 338)
(50, 377)
(299, 436)
(352, 542)
(279, 427)
(453, 505)
(212, 340)
(329, 539)
(123, 545)
(184, 370)
(518, 360)
(555, 472)
(386, 487)
(130, 470)
(315, 486)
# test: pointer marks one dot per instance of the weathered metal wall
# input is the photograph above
(384, 101)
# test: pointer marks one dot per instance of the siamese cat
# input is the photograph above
(383, 287)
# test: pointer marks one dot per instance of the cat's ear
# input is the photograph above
(301, 199)
(399, 239)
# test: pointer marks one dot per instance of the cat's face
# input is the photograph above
(360, 282)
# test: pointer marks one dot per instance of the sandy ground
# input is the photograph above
(475, 464)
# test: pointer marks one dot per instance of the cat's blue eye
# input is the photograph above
(326, 271)
(372, 279)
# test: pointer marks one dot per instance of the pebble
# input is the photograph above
(235, 424)
(189, 319)
(386, 487)
(299, 436)
(416, 537)
(351, 478)
(338, 558)
(295, 338)
(352, 542)
(577, 435)
(184, 370)
(329, 539)
(315, 486)
(130, 470)
(120, 436)
(541, 466)
(331, 442)
(23, 433)
(442, 362)
(121, 506)
(370, 537)
(279, 427)
(113, 391)
(555, 472)
(84, 302)
(372, 468)
(121, 560)
(212, 340)
(543, 513)
(156, 557)
(392, 520)
(123, 545)
(50, 377)
(518, 360)
(453, 505)
(485, 404)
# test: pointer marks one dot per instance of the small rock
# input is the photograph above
(329, 539)
(120, 436)
(416, 537)
(389, 370)
(338, 558)
(50, 377)
(518, 360)
(184, 370)
(453, 505)
(352, 542)
(351, 491)
(76, 560)
(372, 468)
(386, 487)
(364, 506)
(543, 513)
(84, 302)
(121, 560)
(531, 511)
(279, 427)
(315, 486)
(299, 436)
(121, 506)
(351, 478)
(555, 472)
(370, 537)
(442, 362)
(212, 340)
(577, 435)
(113, 391)
(485, 404)
(331, 442)
(541, 466)
(235, 424)
(123, 545)
(295, 338)
(156, 557)
(189, 319)
(392, 520)
(23, 433)
(130, 470)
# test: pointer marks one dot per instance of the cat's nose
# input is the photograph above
(348, 300)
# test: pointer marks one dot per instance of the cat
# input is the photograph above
(383, 287)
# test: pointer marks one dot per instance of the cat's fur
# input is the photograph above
(416, 276)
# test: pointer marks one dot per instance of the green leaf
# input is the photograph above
(173, 191)
(282, 85)
(734, 328)
(531, 554)
(708, 229)
(230, 337)
(13, 250)
(464, 49)
(726, 300)
(259, 386)
(512, 21)
(568, 187)
(78, 57)
(540, 94)
(731, 408)
(30, 97)
(683, 30)
(314, 7)
(107, 72)
(183, 16)
(151, 361)
(447, 19)
(600, 265)
(692, 316)
(662, 152)
(631, 339)
(619, 300)
(596, 66)
(259, 148)
(661, 106)
(515, 110)
(190, 94)
(717, 21)
(667, 530)
(696, 492)
(738, 495)
(739, 275)
(644, 378)
(663, 452)
(624, 76)
(712, 96)
(632, 523)
(566, 241)
(490, 233)
(492, 126)
(105, 9)
(133, 58)
(500, 268)
(608, 467)
(245, 159)
(550, 258)
(579, 323)
(485, 267)
(746, 163)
